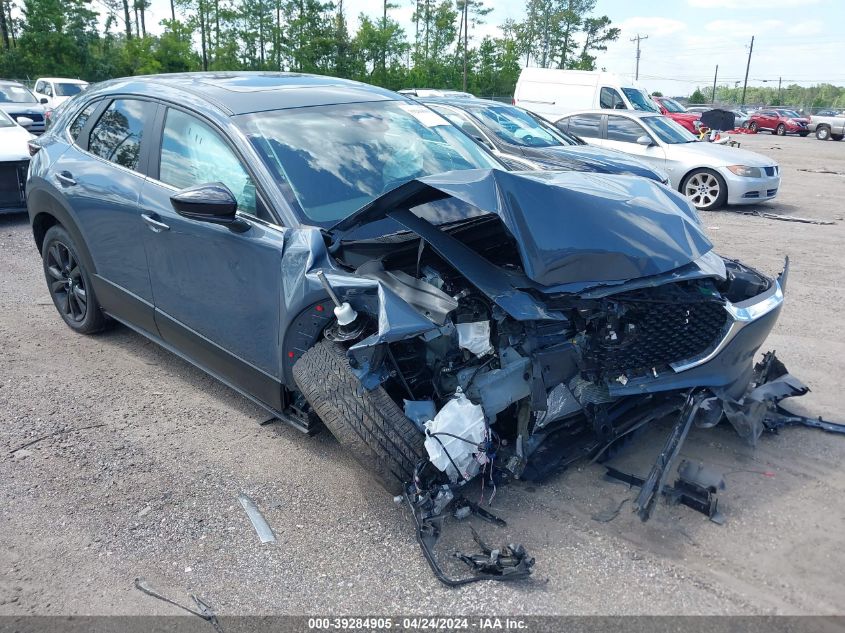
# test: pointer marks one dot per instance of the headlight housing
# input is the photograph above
(745, 170)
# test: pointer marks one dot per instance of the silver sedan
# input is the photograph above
(709, 174)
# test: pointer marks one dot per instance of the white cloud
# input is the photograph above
(741, 28)
(807, 27)
(654, 26)
(749, 5)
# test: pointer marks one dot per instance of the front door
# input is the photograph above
(622, 135)
(217, 290)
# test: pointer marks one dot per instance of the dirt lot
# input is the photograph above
(151, 489)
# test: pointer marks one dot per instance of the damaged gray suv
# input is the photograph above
(346, 257)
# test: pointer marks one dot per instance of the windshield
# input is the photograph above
(16, 94)
(517, 127)
(337, 158)
(790, 113)
(640, 100)
(68, 90)
(672, 106)
(667, 130)
(6, 120)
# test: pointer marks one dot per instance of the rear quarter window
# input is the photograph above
(76, 126)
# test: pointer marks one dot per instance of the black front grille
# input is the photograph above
(641, 335)
(12, 184)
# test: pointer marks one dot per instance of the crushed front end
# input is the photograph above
(567, 314)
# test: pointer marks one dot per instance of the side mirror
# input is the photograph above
(44, 100)
(645, 140)
(24, 121)
(210, 202)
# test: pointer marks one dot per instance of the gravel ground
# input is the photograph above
(143, 457)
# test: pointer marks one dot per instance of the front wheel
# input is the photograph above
(69, 283)
(823, 133)
(780, 130)
(705, 188)
(753, 127)
(368, 424)
(803, 134)
(837, 137)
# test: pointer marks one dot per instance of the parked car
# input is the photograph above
(551, 92)
(827, 127)
(51, 91)
(18, 102)
(435, 92)
(526, 141)
(780, 122)
(294, 236)
(678, 113)
(708, 174)
(698, 109)
(14, 162)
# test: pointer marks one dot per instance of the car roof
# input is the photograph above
(246, 92)
(462, 102)
(66, 80)
(631, 114)
(9, 82)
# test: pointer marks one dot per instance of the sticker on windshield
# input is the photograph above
(427, 117)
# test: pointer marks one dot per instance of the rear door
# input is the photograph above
(622, 133)
(588, 127)
(217, 289)
(100, 176)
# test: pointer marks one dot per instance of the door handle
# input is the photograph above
(66, 178)
(154, 225)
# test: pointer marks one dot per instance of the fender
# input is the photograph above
(46, 209)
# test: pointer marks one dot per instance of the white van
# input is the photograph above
(551, 93)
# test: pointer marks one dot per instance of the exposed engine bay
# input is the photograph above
(515, 352)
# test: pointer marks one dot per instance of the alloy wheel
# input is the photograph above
(702, 189)
(781, 130)
(753, 126)
(66, 282)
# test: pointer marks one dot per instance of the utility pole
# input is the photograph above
(780, 100)
(466, 40)
(713, 99)
(747, 66)
(637, 40)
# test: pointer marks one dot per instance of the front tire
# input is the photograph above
(780, 130)
(753, 127)
(69, 283)
(368, 424)
(837, 137)
(803, 134)
(823, 133)
(705, 188)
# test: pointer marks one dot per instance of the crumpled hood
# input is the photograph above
(570, 227)
(595, 159)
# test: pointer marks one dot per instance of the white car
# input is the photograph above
(708, 174)
(51, 91)
(14, 163)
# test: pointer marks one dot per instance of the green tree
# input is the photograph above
(697, 97)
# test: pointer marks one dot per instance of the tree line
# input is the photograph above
(793, 96)
(101, 39)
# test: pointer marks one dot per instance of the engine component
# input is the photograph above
(475, 337)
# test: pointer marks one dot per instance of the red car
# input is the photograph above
(678, 113)
(780, 122)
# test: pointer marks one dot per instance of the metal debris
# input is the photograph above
(203, 609)
(262, 528)
(607, 515)
(790, 218)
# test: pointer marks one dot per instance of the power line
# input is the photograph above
(747, 67)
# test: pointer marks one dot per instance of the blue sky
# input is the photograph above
(799, 40)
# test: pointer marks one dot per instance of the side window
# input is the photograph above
(192, 154)
(624, 130)
(610, 99)
(117, 135)
(48, 89)
(585, 125)
(81, 119)
(39, 86)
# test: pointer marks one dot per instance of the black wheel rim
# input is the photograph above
(67, 285)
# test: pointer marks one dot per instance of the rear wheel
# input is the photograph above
(69, 283)
(837, 137)
(705, 188)
(780, 130)
(368, 424)
(823, 133)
